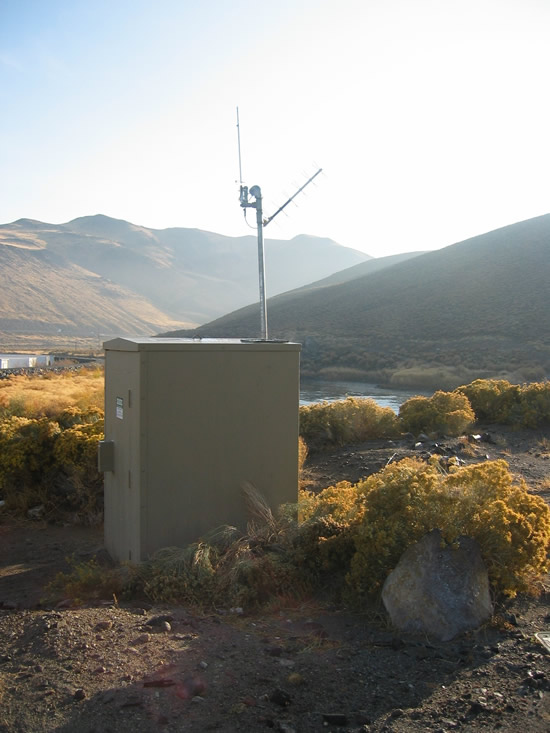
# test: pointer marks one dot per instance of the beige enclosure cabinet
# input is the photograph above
(187, 423)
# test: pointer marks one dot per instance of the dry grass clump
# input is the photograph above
(49, 394)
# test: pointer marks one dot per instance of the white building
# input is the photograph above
(24, 361)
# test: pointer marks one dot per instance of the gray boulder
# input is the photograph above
(439, 591)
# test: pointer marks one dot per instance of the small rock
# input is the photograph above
(190, 687)
(65, 603)
(284, 727)
(104, 626)
(361, 717)
(280, 697)
(103, 558)
(159, 620)
(294, 678)
(238, 708)
(8, 605)
(132, 701)
(476, 706)
(142, 639)
(79, 694)
(335, 718)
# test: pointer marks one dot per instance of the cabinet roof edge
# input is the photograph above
(183, 344)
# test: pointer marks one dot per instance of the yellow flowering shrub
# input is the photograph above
(443, 412)
(351, 420)
(511, 525)
(51, 462)
(407, 499)
(340, 502)
(493, 400)
(535, 404)
(26, 450)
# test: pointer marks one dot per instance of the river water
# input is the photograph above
(321, 390)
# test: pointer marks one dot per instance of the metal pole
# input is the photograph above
(261, 262)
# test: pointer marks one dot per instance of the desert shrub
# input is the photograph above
(535, 404)
(42, 463)
(399, 508)
(511, 525)
(238, 572)
(76, 448)
(302, 453)
(407, 499)
(345, 421)
(86, 581)
(78, 484)
(340, 502)
(498, 401)
(321, 551)
(443, 412)
(26, 452)
(74, 415)
(493, 400)
(185, 575)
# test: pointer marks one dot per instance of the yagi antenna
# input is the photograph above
(256, 192)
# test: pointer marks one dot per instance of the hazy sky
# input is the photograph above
(430, 118)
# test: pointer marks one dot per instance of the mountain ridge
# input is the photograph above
(134, 279)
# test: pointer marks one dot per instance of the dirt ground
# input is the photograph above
(302, 668)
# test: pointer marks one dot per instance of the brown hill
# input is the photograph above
(97, 274)
(476, 308)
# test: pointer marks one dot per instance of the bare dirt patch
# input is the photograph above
(294, 667)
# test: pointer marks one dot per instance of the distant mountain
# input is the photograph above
(476, 308)
(96, 273)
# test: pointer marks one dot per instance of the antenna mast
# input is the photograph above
(256, 192)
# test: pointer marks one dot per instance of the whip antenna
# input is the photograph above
(239, 144)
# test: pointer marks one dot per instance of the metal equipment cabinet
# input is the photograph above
(187, 423)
